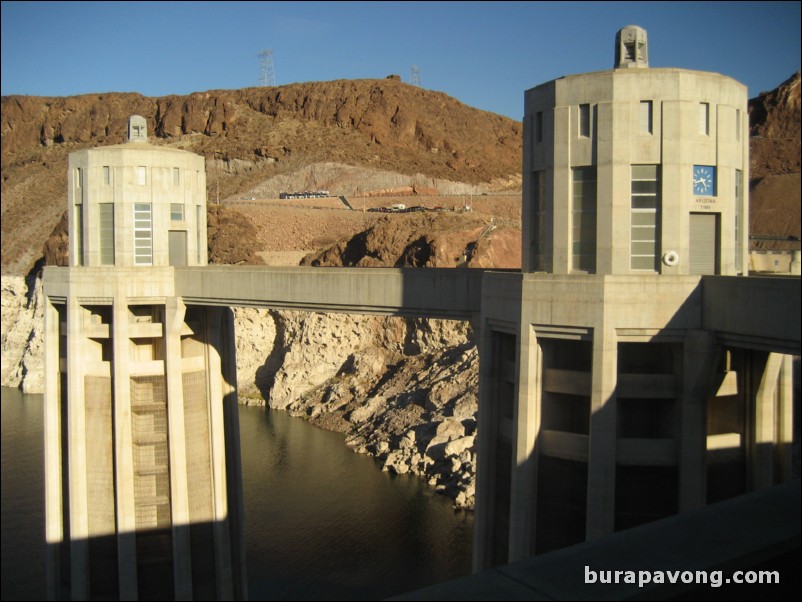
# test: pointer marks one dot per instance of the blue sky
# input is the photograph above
(485, 54)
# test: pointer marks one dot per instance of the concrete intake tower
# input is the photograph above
(143, 483)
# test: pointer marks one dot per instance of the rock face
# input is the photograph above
(352, 180)
(774, 119)
(774, 196)
(22, 328)
(231, 237)
(427, 240)
(56, 250)
(402, 390)
(774, 208)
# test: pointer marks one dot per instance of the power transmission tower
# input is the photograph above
(415, 79)
(267, 77)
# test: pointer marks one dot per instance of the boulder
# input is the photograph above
(457, 447)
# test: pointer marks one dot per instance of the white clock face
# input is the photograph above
(704, 179)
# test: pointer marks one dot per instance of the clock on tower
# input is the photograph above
(704, 180)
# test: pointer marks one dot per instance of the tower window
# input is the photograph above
(584, 121)
(79, 232)
(538, 228)
(176, 176)
(198, 210)
(539, 126)
(143, 234)
(106, 175)
(141, 175)
(106, 233)
(176, 212)
(738, 228)
(645, 217)
(704, 118)
(646, 117)
(583, 216)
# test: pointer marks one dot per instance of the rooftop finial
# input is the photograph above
(137, 129)
(631, 48)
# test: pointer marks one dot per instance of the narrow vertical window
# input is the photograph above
(539, 126)
(738, 228)
(538, 228)
(646, 117)
(198, 237)
(584, 121)
(141, 175)
(106, 175)
(79, 235)
(106, 233)
(176, 176)
(704, 118)
(645, 217)
(78, 177)
(583, 216)
(738, 124)
(143, 234)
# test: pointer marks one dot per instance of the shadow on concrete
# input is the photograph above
(582, 480)
(751, 533)
(151, 575)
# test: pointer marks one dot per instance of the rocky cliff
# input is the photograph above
(774, 124)
(21, 337)
(775, 194)
(428, 240)
(401, 390)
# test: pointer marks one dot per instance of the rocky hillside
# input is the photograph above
(427, 240)
(248, 136)
(774, 127)
(774, 210)
(775, 193)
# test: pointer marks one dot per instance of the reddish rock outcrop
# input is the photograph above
(774, 124)
(426, 240)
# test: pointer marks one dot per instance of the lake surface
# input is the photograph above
(321, 522)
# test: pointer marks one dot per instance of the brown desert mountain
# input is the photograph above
(774, 202)
(774, 127)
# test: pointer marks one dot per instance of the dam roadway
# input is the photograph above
(447, 293)
(749, 312)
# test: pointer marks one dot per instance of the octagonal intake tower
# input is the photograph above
(143, 484)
